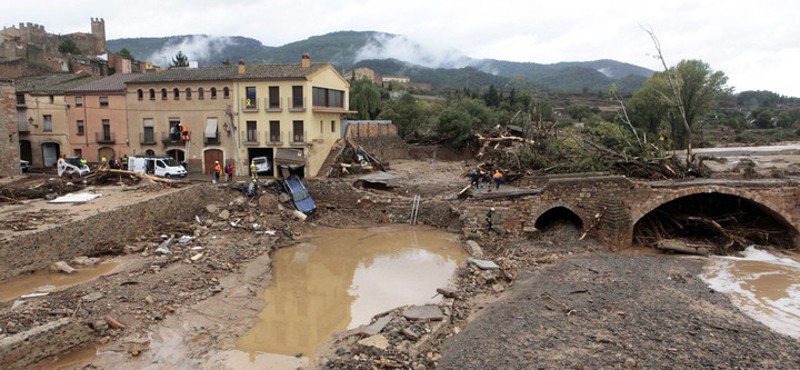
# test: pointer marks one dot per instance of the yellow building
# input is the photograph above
(289, 113)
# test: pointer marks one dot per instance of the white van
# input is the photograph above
(158, 166)
(262, 165)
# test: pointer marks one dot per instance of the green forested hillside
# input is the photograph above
(342, 48)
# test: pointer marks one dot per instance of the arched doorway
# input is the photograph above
(50, 153)
(107, 153)
(209, 157)
(25, 152)
(149, 152)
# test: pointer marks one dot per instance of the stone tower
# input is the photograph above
(98, 35)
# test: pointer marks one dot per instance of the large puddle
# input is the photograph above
(764, 286)
(340, 278)
(44, 281)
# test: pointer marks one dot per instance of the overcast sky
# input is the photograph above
(756, 44)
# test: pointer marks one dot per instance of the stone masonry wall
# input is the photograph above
(22, 350)
(9, 137)
(38, 249)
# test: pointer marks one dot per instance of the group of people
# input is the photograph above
(219, 170)
(114, 164)
(178, 132)
(481, 177)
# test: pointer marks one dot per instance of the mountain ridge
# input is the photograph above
(392, 54)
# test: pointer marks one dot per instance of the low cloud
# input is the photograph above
(385, 46)
(196, 48)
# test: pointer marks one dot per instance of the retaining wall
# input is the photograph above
(37, 250)
(22, 350)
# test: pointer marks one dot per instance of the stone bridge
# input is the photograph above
(621, 203)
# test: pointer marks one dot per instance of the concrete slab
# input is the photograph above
(483, 264)
(427, 312)
(377, 326)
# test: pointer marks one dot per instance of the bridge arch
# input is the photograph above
(554, 213)
(775, 211)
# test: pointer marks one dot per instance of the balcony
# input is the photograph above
(22, 126)
(249, 106)
(251, 138)
(297, 137)
(273, 107)
(274, 137)
(147, 138)
(212, 140)
(104, 138)
(168, 139)
(296, 104)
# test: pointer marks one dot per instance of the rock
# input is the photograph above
(212, 208)
(225, 214)
(377, 341)
(487, 275)
(85, 261)
(483, 264)
(149, 300)
(17, 304)
(473, 249)
(410, 334)
(62, 266)
(629, 363)
(447, 293)
(427, 312)
(99, 325)
(91, 297)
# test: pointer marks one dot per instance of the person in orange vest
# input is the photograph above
(497, 177)
(217, 171)
(184, 133)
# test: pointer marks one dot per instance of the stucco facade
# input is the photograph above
(98, 121)
(155, 102)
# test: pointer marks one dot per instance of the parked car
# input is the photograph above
(262, 165)
(24, 165)
(302, 199)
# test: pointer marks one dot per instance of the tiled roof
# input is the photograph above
(227, 73)
(53, 84)
(114, 82)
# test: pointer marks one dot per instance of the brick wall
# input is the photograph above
(362, 130)
(9, 136)
(37, 250)
(23, 349)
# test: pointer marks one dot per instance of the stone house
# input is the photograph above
(9, 149)
(42, 116)
(97, 118)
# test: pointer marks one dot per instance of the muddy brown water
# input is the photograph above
(765, 286)
(47, 281)
(340, 278)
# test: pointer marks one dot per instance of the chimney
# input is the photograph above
(241, 66)
(306, 62)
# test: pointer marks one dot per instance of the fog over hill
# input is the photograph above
(349, 49)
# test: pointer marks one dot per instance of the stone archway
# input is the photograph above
(558, 216)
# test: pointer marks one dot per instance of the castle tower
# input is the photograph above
(98, 36)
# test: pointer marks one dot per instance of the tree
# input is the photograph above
(784, 119)
(405, 113)
(68, 46)
(491, 98)
(125, 53)
(227, 62)
(456, 125)
(180, 60)
(365, 98)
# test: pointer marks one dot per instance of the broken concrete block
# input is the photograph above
(85, 261)
(376, 341)
(473, 249)
(483, 264)
(225, 214)
(427, 312)
(91, 297)
(300, 215)
(377, 326)
(410, 334)
(62, 267)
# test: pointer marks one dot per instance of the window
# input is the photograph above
(81, 131)
(149, 135)
(51, 99)
(176, 94)
(106, 130)
(328, 98)
(200, 93)
(252, 131)
(20, 99)
(226, 93)
(48, 122)
(77, 152)
(274, 97)
(297, 96)
(297, 134)
(103, 102)
(140, 94)
(275, 131)
(333, 126)
(152, 94)
(78, 101)
(213, 93)
(188, 94)
(250, 97)
(163, 94)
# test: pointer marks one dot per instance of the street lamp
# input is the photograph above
(30, 122)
